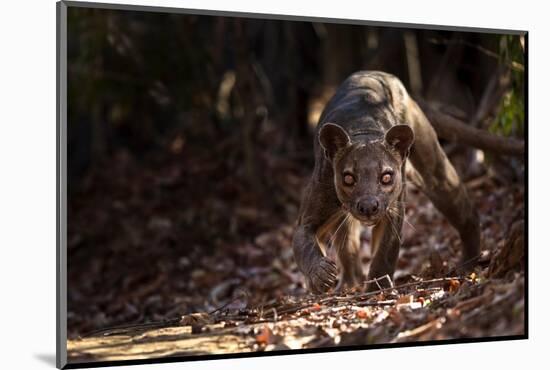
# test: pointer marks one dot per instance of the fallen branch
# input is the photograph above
(329, 299)
(376, 292)
(453, 129)
(124, 328)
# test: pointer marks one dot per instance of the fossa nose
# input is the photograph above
(368, 206)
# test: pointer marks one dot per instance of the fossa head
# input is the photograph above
(367, 174)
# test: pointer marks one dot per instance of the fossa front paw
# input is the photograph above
(322, 276)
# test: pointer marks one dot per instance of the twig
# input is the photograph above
(422, 329)
(361, 296)
(275, 317)
(408, 285)
(376, 292)
(242, 293)
(465, 263)
(390, 302)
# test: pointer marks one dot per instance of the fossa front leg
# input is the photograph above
(386, 241)
(319, 271)
(347, 244)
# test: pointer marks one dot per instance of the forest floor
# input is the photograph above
(145, 282)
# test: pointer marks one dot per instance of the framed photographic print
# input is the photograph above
(236, 185)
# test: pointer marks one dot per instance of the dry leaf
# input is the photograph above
(454, 285)
(265, 336)
(405, 299)
(315, 307)
(362, 314)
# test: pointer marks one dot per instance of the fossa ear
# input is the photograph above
(333, 138)
(400, 139)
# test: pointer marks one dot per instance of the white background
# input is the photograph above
(27, 181)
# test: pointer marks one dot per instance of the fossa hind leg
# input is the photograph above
(442, 185)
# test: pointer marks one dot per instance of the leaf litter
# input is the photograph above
(146, 283)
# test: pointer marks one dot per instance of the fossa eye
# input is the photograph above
(387, 178)
(349, 179)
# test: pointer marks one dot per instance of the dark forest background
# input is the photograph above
(190, 138)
